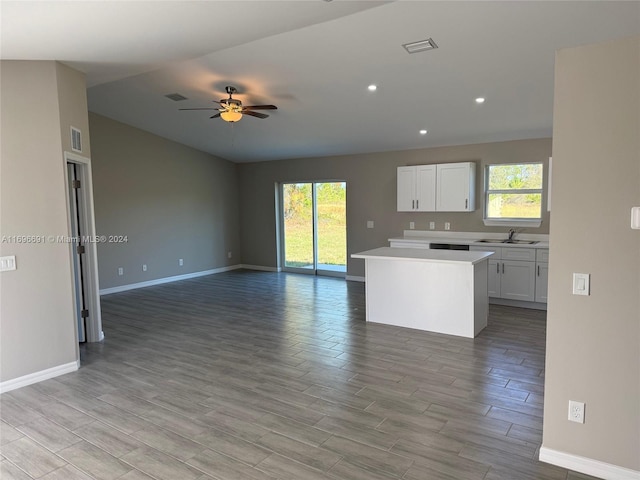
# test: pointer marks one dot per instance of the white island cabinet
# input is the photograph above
(443, 291)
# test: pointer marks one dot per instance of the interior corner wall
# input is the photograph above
(593, 342)
(371, 194)
(37, 317)
(164, 201)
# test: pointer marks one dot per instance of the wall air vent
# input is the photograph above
(176, 97)
(76, 139)
(420, 46)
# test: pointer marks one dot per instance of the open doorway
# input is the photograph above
(314, 227)
(83, 248)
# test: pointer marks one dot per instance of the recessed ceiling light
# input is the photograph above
(480, 100)
(372, 88)
(423, 132)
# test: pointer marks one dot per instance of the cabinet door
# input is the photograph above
(455, 187)
(542, 282)
(406, 189)
(493, 280)
(426, 188)
(518, 280)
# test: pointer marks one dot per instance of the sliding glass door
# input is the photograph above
(314, 227)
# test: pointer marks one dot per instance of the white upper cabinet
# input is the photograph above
(448, 187)
(417, 188)
(456, 187)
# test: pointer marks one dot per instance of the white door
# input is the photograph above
(406, 189)
(426, 188)
(77, 250)
(493, 280)
(542, 282)
(453, 187)
(518, 280)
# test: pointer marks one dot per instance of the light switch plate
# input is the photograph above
(369, 223)
(412, 225)
(581, 283)
(7, 263)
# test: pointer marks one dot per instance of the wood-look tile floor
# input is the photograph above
(255, 375)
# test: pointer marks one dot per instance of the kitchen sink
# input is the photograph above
(521, 242)
(515, 242)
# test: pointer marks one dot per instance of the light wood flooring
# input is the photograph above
(256, 375)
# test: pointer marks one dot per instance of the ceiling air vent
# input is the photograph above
(76, 140)
(420, 46)
(176, 97)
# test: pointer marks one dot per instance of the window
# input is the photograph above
(513, 194)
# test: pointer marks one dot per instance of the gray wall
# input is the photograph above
(171, 202)
(40, 102)
(371, 194)
(593, 342)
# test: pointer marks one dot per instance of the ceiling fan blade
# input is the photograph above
(254, 114)
(208, 108)
(215, 116)
(261, 107)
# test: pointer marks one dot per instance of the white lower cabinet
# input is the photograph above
(542, 275)
(512, 272)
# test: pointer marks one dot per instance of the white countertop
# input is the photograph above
(424, 255)
(471, 238)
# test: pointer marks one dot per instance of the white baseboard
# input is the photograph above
(160, 281)
(354, 278)
(586, 465)
(38, 376)
(261, 268)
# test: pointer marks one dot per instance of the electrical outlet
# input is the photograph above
(180, 262)
(120, 271)
(432, 225)
(412, 225)
(576, 411)
(369, 223)
(144, 267)
(447, 226)
(228, 254)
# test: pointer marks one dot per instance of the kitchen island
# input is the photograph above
(443, 291)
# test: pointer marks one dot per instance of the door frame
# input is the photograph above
(281, 233)
(93, 331)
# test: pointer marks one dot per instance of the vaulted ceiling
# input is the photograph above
(314, 59)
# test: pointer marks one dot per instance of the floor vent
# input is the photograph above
(76, 140)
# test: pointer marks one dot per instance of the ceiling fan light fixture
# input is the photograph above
(231, 116)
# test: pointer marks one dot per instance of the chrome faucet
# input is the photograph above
(512, 233)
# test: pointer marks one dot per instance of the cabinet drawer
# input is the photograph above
(542, 255)
(515, 253)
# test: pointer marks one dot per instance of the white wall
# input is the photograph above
(37, 325)
(593, 342)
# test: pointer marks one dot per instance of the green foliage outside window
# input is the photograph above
(514, 191)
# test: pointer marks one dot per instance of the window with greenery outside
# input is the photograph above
(513, 192)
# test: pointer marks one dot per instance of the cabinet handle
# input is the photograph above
(503, 268)
(466, 203)
(497, 268)
(417, 204)
(538, 270)
(413, 204)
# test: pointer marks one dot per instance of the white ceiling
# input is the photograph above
(314, 60)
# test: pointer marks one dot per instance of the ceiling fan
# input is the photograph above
(231, 110)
